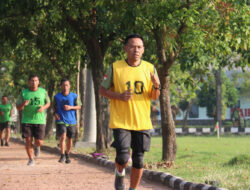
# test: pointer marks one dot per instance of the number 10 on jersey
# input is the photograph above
(138, 87)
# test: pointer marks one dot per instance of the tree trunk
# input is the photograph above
(186, 114)
(218, 97)
(50, 119)
(78, 94)
(96, 61)
(96, 49)
(169, 146)
(82, 93)
(102, 141)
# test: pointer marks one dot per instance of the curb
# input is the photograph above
(207, 131)
(174, 182)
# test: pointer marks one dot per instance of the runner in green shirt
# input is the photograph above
(5, 114)
(33, 102)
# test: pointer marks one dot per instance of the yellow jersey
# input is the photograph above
(135, 113)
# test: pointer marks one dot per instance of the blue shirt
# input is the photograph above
(66, 117)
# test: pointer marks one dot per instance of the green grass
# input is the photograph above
(199, 159)
(225, 161)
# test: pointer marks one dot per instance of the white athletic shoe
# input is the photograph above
(31, 162)
(120, 180)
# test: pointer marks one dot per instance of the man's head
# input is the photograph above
(134, 47)
(65, 85)
(4, 99)
(33, 82)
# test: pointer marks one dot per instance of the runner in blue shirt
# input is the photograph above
(65, 105)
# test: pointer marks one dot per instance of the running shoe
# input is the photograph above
(67, 161)
(62, 158)
(1, 142)
(120, 180)
(31, 162)
(37, 151)
(6, 144)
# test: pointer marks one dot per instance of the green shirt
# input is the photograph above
(6, 108)
(36, 99)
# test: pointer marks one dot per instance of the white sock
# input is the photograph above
(120, 173)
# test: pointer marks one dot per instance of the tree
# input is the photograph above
(207, 95)
(197, 29)
(184, 85)
(40, 45)
(89, 20)
(242, 83)
(6, 84)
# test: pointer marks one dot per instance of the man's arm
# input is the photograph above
(156, 86)
(77, 105)
(46, 106)
(67, 107)
(21, 103)
(21, 106)
(125, 96)
(155, 93)
(42, 108)
(106, 85)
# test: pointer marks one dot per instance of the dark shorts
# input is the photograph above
(13, 126)
(33, 130)
(139, 141)
(4, 125)
(69, 130)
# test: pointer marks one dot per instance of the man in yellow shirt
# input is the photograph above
(130, 84)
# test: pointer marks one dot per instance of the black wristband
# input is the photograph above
(159, 87)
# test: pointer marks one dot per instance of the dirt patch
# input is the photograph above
(49, 174)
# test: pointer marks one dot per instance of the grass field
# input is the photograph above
(224, 161)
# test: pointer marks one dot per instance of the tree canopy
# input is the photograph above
(49, 37)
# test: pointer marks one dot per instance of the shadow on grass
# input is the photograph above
(242, 159)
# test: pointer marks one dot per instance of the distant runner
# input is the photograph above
(66, 104)
(33, 102)
(5, 115)
(130, 84)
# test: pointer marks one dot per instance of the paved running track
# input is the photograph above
(49, 174)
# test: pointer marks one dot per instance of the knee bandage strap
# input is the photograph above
(122, 156)
(138, 160)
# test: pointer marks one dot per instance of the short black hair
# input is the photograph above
(4, 96)
(133, 36)
(33, 76)
(64, 80)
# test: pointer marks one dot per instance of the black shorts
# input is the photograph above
(139, 141)
(33, 130)
(69, 130)
(13, 126)
(4, 125)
